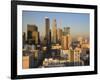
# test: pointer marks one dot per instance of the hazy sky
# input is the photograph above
(79, 23)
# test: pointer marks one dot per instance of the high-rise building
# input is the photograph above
(32, 27)
(66, 42)
(66, 38)
(66, 30)
(54, 31)
(50, 36)
(59, 35)
(35, 37)
(30, 30)
(47, 29)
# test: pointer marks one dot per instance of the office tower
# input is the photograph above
(66, 38)
(54, 31)
(32, 27)
(59, 35)
(30, 30)
(24, 39)
(65, 42)
(66, 30)
(50, 35)
(39, 41)
(35, 37)
(47, 29)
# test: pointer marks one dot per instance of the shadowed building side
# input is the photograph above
(32, 34)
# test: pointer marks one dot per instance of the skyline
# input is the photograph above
(57, 47)
(78, 22)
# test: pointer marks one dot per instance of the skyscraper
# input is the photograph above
(30, 30)
(54, 31)
(65, 42)
(50, 35)
(66, 30)
(35, 37)
(66, 38)
(59, 35)
(47, 29)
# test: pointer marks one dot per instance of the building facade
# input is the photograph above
(59, 35)
(54, 31)
(47, 30)
(66, 42)
(30, 30)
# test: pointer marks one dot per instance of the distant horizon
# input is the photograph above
(78, 22)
